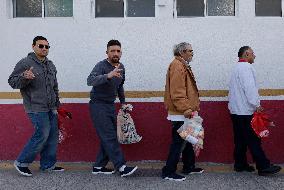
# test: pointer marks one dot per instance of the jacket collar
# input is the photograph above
(181, 60)
(32, 55)
(188, 68)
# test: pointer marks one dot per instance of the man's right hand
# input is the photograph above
(188, 114)
(28, 74)
(115, 72)
(259, 109)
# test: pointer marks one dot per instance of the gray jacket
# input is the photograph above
(41, 93)
(105, 90)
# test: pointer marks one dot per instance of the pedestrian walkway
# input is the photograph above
(145, 165)
(79, 176)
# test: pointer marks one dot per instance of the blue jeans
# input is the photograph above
(43, 141)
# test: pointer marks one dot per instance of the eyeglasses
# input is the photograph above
(41, 46)
(188, 50)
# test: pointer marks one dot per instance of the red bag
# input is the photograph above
(260, 123)
(62, 115)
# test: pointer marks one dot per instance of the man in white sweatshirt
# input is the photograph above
(243, 102)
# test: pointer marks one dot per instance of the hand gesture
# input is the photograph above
(28, 74)
(115, 72)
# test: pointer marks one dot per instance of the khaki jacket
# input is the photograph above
(181, 92)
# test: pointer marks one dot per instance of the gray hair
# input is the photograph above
(181, 47)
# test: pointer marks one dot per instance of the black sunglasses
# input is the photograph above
(42, 46)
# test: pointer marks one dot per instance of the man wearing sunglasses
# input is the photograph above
(35, 76)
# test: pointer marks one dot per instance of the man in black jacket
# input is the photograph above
(35, 76)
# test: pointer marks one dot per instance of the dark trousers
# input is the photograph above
(179, 146)
(244, 137)
(104, 120)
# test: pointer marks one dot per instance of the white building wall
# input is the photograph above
(78, 43)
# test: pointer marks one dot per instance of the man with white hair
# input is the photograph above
(181, 100)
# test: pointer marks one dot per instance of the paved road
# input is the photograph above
(78, 176)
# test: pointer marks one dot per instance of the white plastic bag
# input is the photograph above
(193, 132)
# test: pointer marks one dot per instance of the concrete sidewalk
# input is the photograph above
(145, 165)
(79, 176)
(148, 165)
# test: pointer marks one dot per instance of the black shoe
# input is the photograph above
(247, 168)
(128, 171)
(193, 171)
(23, 170)
(272, 169)
(174, 177)
(102, 170)
(58, 169)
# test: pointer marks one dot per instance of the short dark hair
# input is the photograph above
(242, 50)
(113, 43)
(38, 38)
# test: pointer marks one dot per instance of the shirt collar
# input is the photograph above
(242, 60)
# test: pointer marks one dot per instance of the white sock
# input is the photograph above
(98, 168)
(121, 169)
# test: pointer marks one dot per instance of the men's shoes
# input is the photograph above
(193, 171)
(23, 170)
(58, 169)
(174, 177)
(247, 168)
(55, 169)
(102, 170)
(272, 169)
(128, 171)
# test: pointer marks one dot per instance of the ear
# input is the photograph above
(106, 51)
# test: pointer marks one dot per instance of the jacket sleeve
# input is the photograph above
(178, 88)
(120, 90)
(97, 76)
(55, 88)
(248, 84)
(16, 79)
